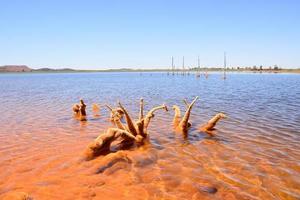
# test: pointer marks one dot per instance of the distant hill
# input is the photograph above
(24, 68)
(15, 68)
(53, 70)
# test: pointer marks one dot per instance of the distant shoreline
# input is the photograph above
(24, 69)
(166, 71)
(283, 71)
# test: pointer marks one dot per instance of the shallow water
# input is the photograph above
(255, 153)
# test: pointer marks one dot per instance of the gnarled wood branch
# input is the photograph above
(209, 126)
(177, 116)
(141, 116)
(186, 103)
(82, 108)
(79, 110)
(140, 122)
(130, 123)
(183, 124)
(115, 112)
(150, 115)
(75, 108)
(101, 145)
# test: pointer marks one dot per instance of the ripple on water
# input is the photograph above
(254, 154)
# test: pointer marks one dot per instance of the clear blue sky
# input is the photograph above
(145, 34)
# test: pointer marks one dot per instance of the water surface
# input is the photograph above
(255, 154)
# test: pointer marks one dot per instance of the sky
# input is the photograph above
(146, 34)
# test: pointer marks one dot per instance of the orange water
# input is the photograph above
(254, 155)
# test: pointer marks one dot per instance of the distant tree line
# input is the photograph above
(260, 68)
(253, 68)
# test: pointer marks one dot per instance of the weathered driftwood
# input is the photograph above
(182, 124)
(140, 127)
(130, 123)
(151, 115)
(101, 145)
(209, 126)
(115, 112)
(140, 122)
(127, 135)
(80, 110)
(75, 108)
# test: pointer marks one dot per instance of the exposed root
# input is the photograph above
(177, 116)
(130, 124)
(150, 115)
(101, 145)
(209, 126)
(115, 112)
(80, 110)
(75, 108)
(182, 125)
(140, 122)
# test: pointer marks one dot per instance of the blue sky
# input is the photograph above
(145, 34)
